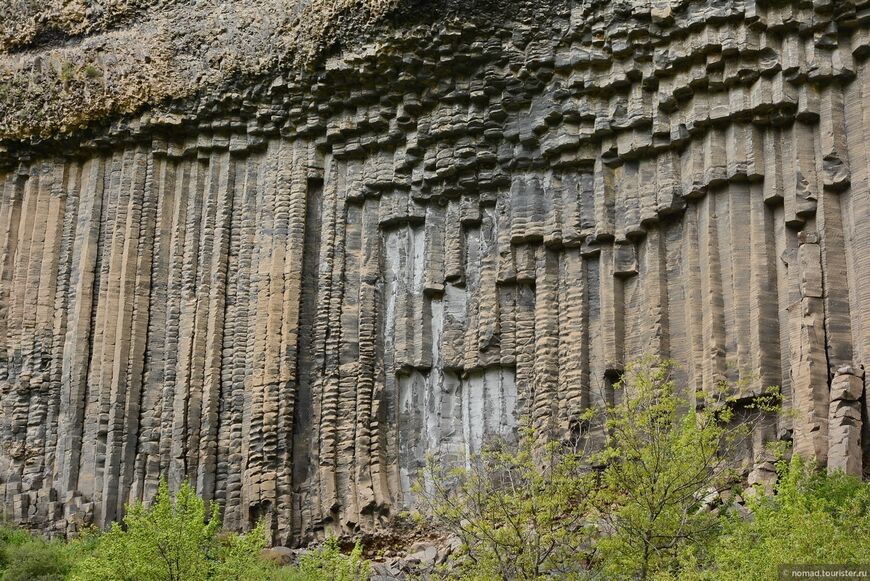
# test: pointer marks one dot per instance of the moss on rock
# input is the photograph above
(89, 60)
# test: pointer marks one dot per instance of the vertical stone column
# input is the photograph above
(844, 421)
(810, 372)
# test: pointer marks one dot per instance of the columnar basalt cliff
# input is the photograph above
(288, 280)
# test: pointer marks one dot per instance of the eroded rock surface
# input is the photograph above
(291, 292)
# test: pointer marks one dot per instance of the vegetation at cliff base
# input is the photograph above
(174, 538)
(813, 518)
(662, 497)
(24, 557)
(521, 514)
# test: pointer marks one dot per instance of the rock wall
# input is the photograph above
(291, 294)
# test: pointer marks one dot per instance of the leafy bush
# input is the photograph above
(543, 511)
(812, 517)
(177, 539)
(24, 557)
(663, 457)
(238, 556)
(327, 562)
(173, 540)
(10, 539)
(519, 513)
(38, 560)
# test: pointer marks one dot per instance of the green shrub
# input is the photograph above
(663, 457)
(327, 562)
(38, 560)
(811, 518)
(177, 539)
(237, 557)
(174, 539)
(10, 538)
(519, 512)
(24, 556)
(632, 510)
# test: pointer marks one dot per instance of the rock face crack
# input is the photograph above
(294, 293)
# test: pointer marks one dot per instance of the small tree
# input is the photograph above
(170, 540)
(519, 513)
(177, 539)
(238, 557)
(812, 517)
(662, 458)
